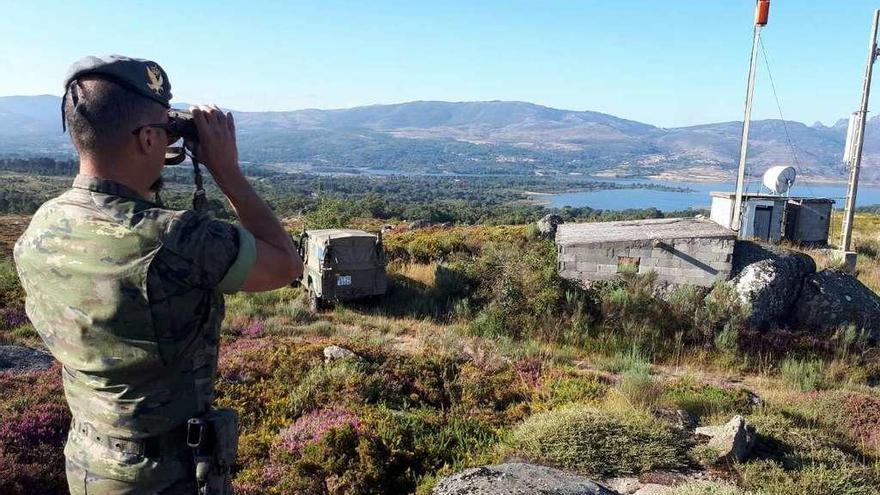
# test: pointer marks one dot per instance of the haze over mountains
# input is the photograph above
(484, 137)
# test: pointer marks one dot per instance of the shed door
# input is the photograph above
(762, 222)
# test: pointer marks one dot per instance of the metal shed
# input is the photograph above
(773, 218)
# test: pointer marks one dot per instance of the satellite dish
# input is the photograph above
(779, 179)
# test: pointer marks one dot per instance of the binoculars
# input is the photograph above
(180, 125)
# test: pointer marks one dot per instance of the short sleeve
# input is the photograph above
(247, 256)
(208, 253)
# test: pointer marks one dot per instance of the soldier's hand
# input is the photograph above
(217, 148)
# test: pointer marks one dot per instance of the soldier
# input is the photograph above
(128, 295)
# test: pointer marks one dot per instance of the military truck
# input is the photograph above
(341, 265)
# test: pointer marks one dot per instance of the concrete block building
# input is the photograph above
(680, 250)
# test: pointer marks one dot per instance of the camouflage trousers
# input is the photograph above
(81, 482)
(94, 469)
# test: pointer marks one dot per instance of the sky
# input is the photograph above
(666, 63)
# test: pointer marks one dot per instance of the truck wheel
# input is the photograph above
(314, 301)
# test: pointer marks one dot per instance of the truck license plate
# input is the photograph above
(343, 280)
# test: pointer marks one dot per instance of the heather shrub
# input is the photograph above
(342, 459)
(11, 292)
(32, 433)
(796, 456)
(599, 443)
(854, 415)
(494, 390)
(424, 441)
(575, 389)
(341, 382)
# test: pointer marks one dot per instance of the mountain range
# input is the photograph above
(487, 137)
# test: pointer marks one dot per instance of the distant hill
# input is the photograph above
(484, 137)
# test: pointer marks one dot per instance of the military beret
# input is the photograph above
(143, 77)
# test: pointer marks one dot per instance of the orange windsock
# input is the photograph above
(762, 12)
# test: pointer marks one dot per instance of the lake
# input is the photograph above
(621, 199)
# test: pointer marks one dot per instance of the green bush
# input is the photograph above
(629, 360)
(805, 375)
(639, 388)
(706, 400)
(599, 443)
(720, 319)
(573, 390)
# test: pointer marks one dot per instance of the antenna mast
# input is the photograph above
(762, 13)
(855, 141)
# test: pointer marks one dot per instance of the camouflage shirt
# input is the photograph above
(128, 296)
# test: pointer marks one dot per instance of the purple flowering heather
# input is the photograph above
(13, 317)
(254, 330)
(313, 426)
(39, 424)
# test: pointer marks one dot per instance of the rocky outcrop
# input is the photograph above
(770, 287)
(831, 299)
(731, 441)
(16, 358)
(517, 479)
(547, 225)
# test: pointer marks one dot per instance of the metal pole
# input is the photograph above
(849, 212)
(736, 220)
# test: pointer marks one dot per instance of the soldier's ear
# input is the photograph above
(148, 139)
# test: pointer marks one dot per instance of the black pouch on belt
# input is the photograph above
(213, 437)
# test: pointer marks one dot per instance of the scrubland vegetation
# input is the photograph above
(481, 353)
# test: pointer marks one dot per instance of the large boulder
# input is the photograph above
(516, 478)
(17, 358)
(770, 287)
(731, 441)
(547, 225)
(832, 299)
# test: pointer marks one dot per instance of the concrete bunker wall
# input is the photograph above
(695, 261)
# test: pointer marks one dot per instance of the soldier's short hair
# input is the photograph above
(101, 114)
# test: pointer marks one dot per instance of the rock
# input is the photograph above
(516, 478)
(747, 252)
(445, 225)
(678, 418)
(770, 287)
(17, 358)
(624, 486)
(832, 299)
(419, 224)
(335, 353)
(547, 225)
(732, 441)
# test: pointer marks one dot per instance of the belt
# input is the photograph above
(149, 446)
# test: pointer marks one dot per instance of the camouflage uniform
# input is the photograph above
(128, 296)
